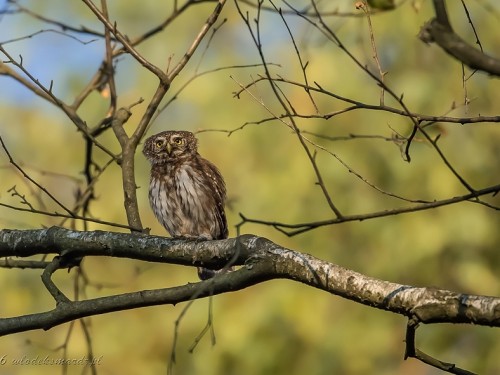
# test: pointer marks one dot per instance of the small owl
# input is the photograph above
(186, 192)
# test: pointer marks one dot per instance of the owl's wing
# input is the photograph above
(218, 188)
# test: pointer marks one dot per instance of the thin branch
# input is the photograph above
(23, 264)
(26, 176)
(177, 12)
(209, 327)
(417, 127)
(469, 18)
(412, 352)
(193, 78)
(256, 37)
(300, 228)
(365, 180)
(72, 216)
(46, 93)
(303, 66)
(366, 9)
(88, 340)
(196, 42)
(331, 35)
(109, 69)
(308, 10)
(357, 105)
(62, 25)
(126, 44)
(47, 31)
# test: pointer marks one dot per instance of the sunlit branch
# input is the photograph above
(262, 260)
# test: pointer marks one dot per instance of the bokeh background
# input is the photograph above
(278, 327)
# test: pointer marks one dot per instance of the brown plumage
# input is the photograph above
(186, 192)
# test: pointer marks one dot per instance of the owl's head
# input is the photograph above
(169, 146)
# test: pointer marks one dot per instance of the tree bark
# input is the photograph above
(262, 260)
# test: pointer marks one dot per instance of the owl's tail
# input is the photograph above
(207, 273)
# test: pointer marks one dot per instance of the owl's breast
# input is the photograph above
(189, 189)
(184, 203)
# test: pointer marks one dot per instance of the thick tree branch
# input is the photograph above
(128, 168)
(262, 259)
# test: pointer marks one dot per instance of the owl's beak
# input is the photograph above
(168, 147)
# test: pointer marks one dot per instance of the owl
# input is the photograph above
(186, 192)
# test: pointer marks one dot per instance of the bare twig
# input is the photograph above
(46, 93)
(72, 216)
(366, 9)
(23, 264)
(126, 44)
(196, 42)
(65, 27)
(412, 352)
(32, 35)
(256, 37)
(192, 79)
(303, 66)
(11, 160)
(469, 18)
(307, 10)
(300, 228)
(358, 105)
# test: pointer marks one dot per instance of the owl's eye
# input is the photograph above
(178, 141)
(159, 143)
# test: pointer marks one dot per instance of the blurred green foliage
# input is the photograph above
(278, 327)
